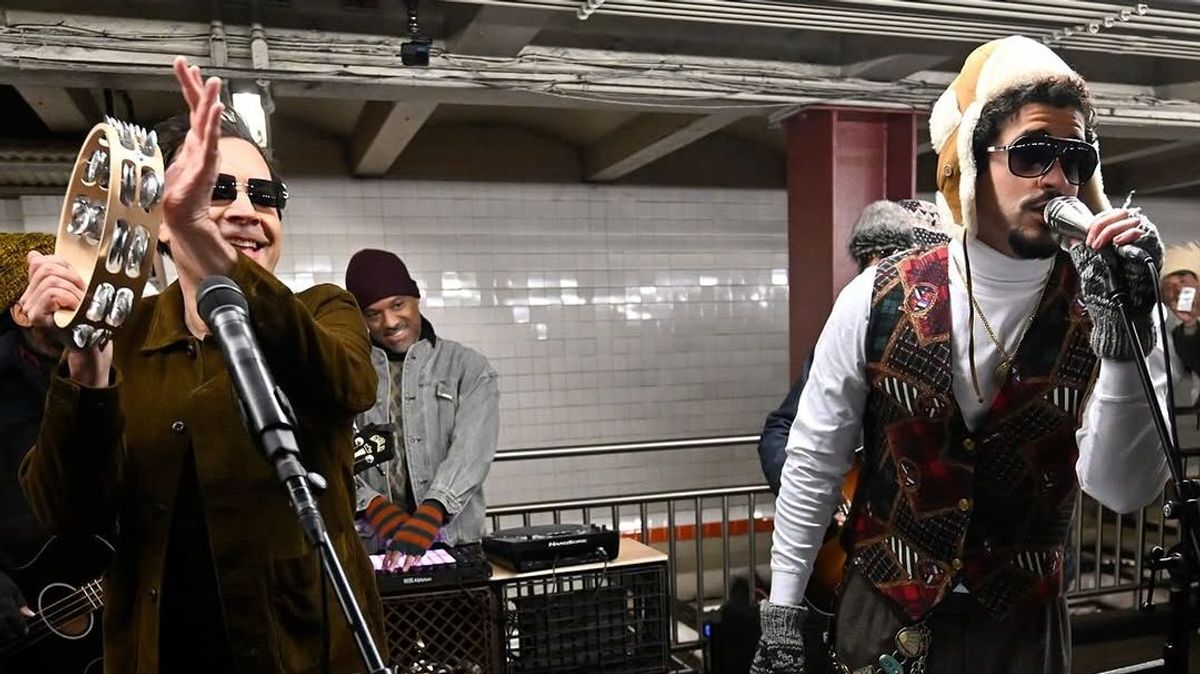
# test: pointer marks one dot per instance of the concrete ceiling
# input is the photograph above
(634, 82)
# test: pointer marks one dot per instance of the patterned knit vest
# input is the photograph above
(938, 504)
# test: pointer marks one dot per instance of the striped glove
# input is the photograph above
(419, 530)
(385, 518)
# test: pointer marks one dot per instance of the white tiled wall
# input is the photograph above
(40, 212)
(11, 215)
(611, 313)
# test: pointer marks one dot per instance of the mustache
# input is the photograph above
(1037, 203)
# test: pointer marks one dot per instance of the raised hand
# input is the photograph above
(1119, 227)
(196, 244)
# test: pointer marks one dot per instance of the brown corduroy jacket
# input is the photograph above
(113, 456)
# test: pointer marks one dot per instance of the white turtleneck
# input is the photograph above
(1120, 463)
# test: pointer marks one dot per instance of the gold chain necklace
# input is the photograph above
(1007, 362)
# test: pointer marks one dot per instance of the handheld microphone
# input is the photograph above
(1070, 218)
(265, 408)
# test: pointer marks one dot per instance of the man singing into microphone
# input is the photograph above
(212, 572)
(990, 379)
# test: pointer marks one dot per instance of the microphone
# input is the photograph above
(265, 409)
(1070, 218)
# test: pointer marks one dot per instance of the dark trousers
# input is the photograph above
(816, 648)
(964, 638)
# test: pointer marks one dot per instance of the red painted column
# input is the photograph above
(839, 160)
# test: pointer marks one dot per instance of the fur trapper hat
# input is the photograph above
(990, 70)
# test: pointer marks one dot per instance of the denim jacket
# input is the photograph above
(451, 424)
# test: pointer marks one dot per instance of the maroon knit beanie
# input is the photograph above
(373, 275)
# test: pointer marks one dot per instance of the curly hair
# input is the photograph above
(1058, 92)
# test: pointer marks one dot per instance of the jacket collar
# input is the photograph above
(168, 325)
(427, 331)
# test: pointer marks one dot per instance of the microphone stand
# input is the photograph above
(282, 451)
(1182, 561)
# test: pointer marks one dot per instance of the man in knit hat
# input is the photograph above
(27, 354)
(440, 401)
(1180, 284)
(989, 380)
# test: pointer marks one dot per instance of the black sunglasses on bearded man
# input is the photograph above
(1033, 157)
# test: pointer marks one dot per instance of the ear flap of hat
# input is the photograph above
(946, 126)
(949, 177)
(967, 170)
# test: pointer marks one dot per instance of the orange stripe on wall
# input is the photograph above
(687, 532)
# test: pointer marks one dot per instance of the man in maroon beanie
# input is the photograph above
(440, 400)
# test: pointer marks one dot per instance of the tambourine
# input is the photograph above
(108, 229)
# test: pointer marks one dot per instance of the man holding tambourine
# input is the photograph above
(211, 572)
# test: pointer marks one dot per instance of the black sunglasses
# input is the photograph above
(260, 191)
(1033, 156)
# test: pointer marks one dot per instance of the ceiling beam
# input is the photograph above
(383, 130)
(62, 110)
(892, 67)
(87, 55)
(1186, 90)
(1156, 177)
(645, 139)
(497, 31)
(1170, 187)
(1157, 149)
(1146, 130)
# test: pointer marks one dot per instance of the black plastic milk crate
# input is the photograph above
(613, 620)
(443, 631)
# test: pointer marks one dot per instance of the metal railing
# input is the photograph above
(568, 451)
(1106, 549)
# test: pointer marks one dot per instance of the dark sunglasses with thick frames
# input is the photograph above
(1034, 156)
(260, 191)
